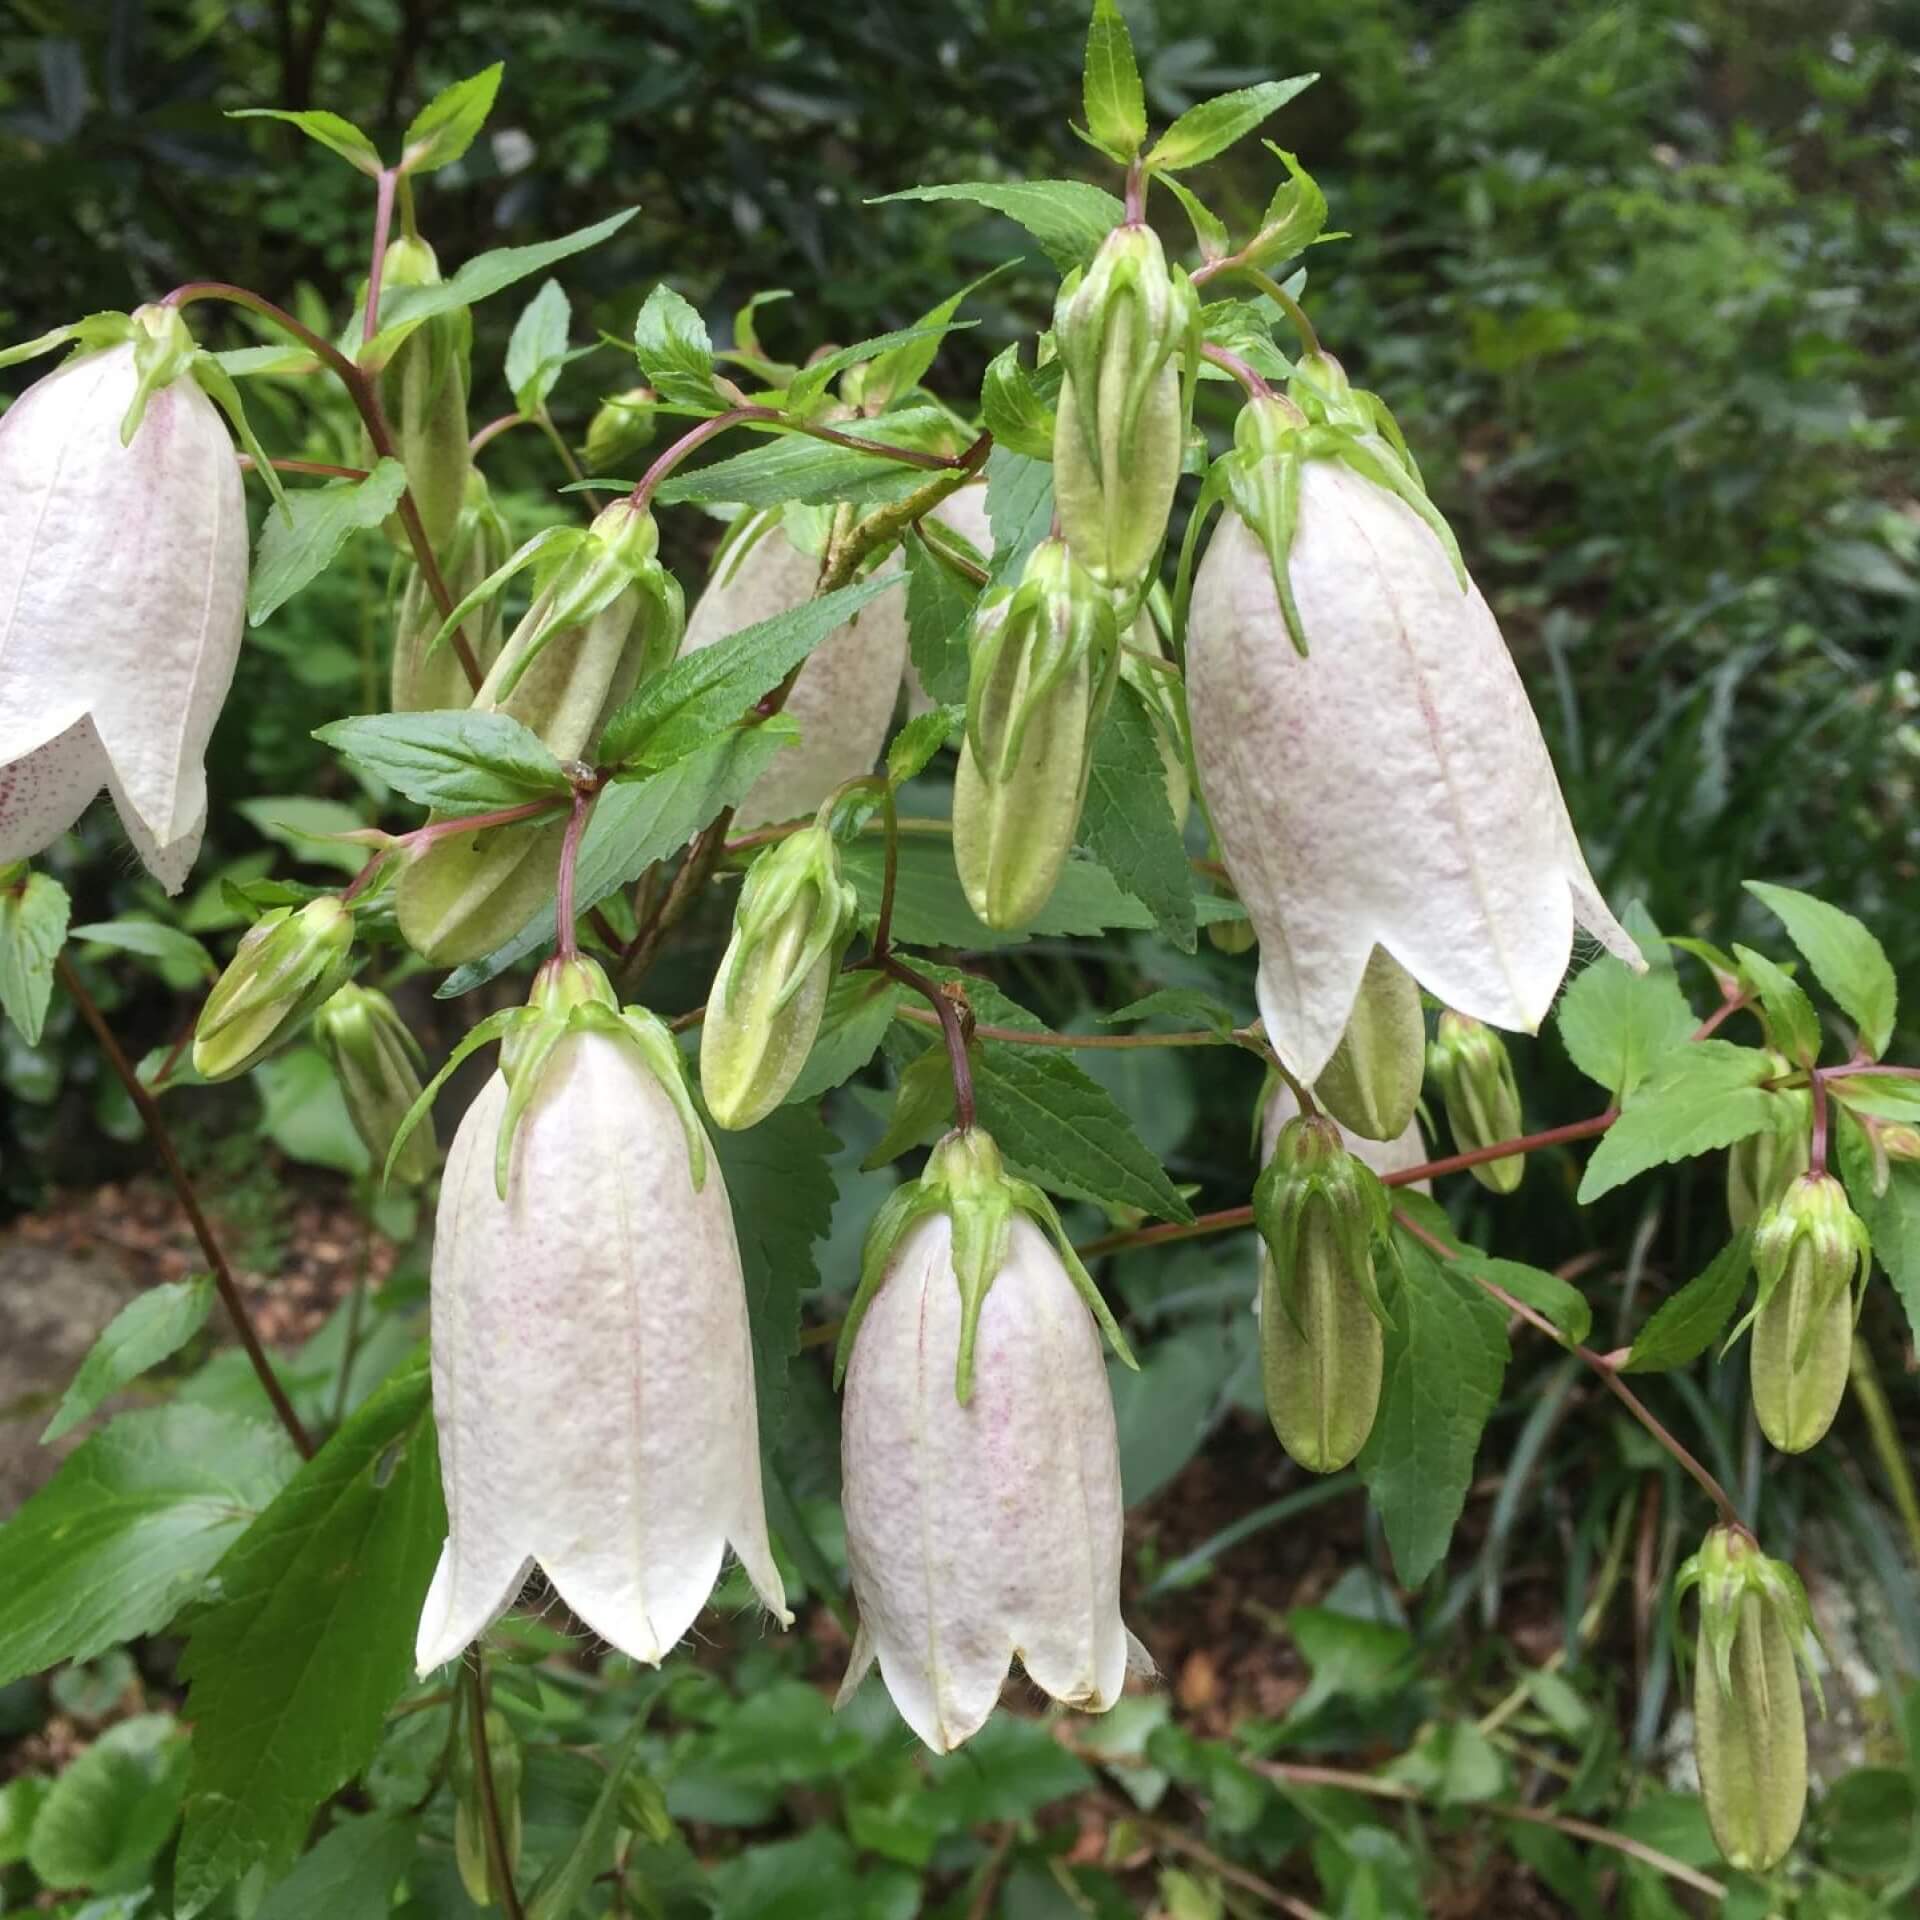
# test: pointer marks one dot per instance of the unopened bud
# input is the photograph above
(472, 1848)
(1761, 1167)
(643, 1807)
(1750, 1729)
(793, 923)
(1321, 1347)
(1124, 331)
(379, 1066)
(1372, 1083)
(1483, 1104)
(1809, 1250)
(288, 963)
(623, 425)
(430, 679)
(1041, 672)
(423, 392)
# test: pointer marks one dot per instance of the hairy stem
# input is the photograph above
(162, 1137)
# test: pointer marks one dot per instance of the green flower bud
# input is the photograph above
(1372, 1083)
(1809, 1250)
(379, 1066)
(1042, 667)
(1750, 1729)
(622, 426)
(430, 679)
(423, 392)
(1761, 1167)
(471, 1849)
(1319, 1209)
(608, 616)
(1126, 331)
(286, 965)
(795, 918)
(643, 1807)
(1483, 1105)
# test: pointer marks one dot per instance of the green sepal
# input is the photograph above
(550, 546)
(1728, 1567)
(96, 331)
(490, 1028)
(220, 386)
(651, 1038)
(1034, 1201)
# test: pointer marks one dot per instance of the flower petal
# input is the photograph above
(45, 791)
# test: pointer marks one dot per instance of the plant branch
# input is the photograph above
(1255, 384)
(161, 1136)
(377, 266)
(956, 1022)
(476, 1702)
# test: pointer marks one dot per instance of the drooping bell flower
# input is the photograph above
(980, 1466)
(844, 699)
(123, 588)
(592, 1369)
(1365, 746)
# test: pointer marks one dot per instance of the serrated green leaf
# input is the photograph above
(310, 1639)
(1019, 509)
(1213, 126)
(1616, 1023)
(336, 134)
(178, 953)
(675, 351)
(1880, 1095)
(1126, 823)
(1446, 1354)
(781, 1182)
(1209, 230)
(1068, 217)
(1684, 1327)
(537, 348)
(33, 929)
(1546, 1293)
(796, 469)
(922, 1107)
(705, 694)
(122, 1536)
(298, 545)
(147, 1330)
(486, 274)
(1892, 1218)
(1793, 1026)
(564, 1886)
(111, 1809)
(635, 823)
(460, 760)
(305, 824)
(1053, 1122)
(1115, 102)
(1011, 408)
(1705, 1096)
(1846, 959)
(352, 1871)
(905, 365)
(920, 739)
(940, 603)
(447, 125)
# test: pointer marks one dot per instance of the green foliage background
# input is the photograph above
(1639, 280)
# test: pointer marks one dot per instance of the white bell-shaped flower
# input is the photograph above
(982, 1532)
(592, 1372)
(844, 699)
(123, 587)
(1391, 787)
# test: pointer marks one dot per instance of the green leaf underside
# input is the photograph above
(1562, 1303)
(1892, 1218)
(1616, 1024)
(1446, 1354)
(1209, 129)
(1126, 823)
(1705, 1096)
(460, 761)
(1068, 217)
(860, 1008)
(1114, 100)
(1684, 1327)
(297, 546)
(310, 1640)
(940, 604)
(1019, 510)
(33, 929)
(796, 468)
(635, 823)
(126, 1531)
(150, 1328)
(447, 125)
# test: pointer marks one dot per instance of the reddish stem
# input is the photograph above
(566, 945)
(1256, 386)
(495, 428)
(377, 266)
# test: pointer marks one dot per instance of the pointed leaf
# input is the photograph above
(33, 929)
(1068, 217)
(1127, 824)
(458, 760)
(1846, 959)
(1684, 1327)
(1704, 1096)
(446, 126)
(298, 545)
(1214, 125)
(334, 133)
(537, 349)
(675, 351)
(148, 1329)
(1116, 105)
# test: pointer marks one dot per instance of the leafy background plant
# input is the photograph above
(1638, 280)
